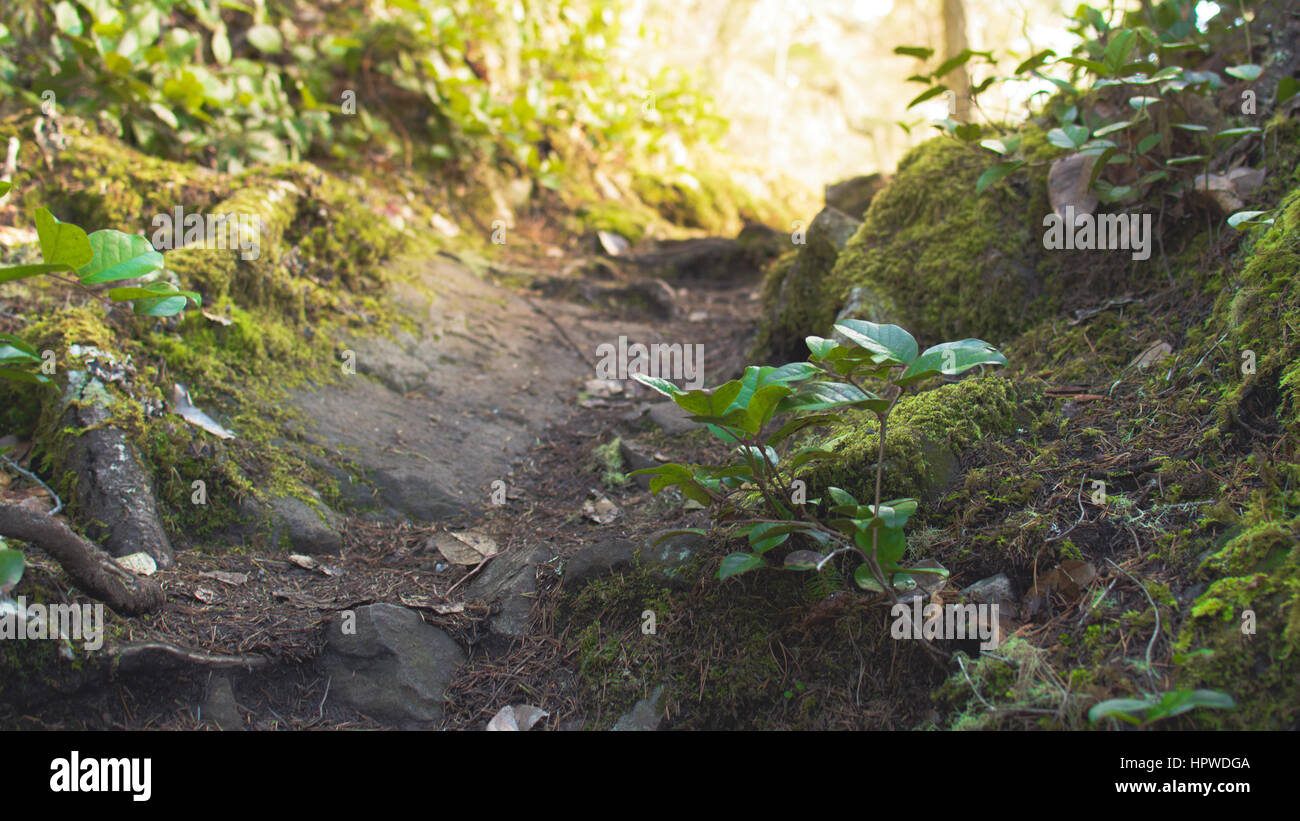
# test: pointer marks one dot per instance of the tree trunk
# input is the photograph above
(954, 42)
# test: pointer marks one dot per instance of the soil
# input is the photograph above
(489, 387)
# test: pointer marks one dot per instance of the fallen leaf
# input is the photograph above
(602, 388)
(183, 406)
(220, 320)
(517, 717)
(308, 563)
(1067, 185)
(205, 595)
(225, 577)
(139, 563)
(602, 511)
(1154, 353)
(467, 547)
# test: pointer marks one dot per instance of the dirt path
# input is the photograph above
(485, 386)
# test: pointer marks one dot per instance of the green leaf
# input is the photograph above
(221, 46)
(1147, 143)
(11, 568)
(1095, 67)
(62, 243)
(1119, 48)
(919, 52)
(928, 94)
(1287, 87)
(960, 59)
(737, 563)
(12, 348)
(951, 358)
(995, 173)
(4, 187)
(1187, 160)
(1142, 103)
(1035, 61)
(1236, 132)
(668, 534)
(862, 578)
(1193, 127)
(816, 396)
(1069, 137)
(266, 39)
(1247, 218)
(803, 560)
(890, 343)
(118, 256)
(23, 271)
(1120, 708)
(162, 306)
(661, 385)
(1247, 71)
(24, 376)
(1112, 128)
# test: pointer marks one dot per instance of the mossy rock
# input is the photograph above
(1263, 298)
(1249, 621)
(955, 263)
(925, 437)
(795, 285)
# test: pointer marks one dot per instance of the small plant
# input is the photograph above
(760, 490)
(1145, 711)
(104, 256)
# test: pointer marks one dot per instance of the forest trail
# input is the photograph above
(487, 390)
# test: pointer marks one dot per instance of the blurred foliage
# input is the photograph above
(423, 84)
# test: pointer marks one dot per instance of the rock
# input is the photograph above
(863, 303)
(220, 706)
(595, 560)
(854, 195)
(666, 559)
(797, 278)
(1246, 180)
(653, 296)
(645, 716)
(392, 666)
(310, 530)
(995, 589)
(636, 460)
(389, 362)
(509, 581)
(671, 418)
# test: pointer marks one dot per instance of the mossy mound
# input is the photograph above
(926, 436)
(955, 263)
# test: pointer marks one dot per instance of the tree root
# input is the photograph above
(90, 568)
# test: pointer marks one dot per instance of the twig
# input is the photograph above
(470, 574)
(1155, 633)
(328, 681)
(58, 503)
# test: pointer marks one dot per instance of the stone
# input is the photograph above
(994, 589)
(510, 582)
(854, 195)
(671, 418)
(220, 706)
(392, 666)
(595, 560)
(310, 530)
(634, 459)
(645, 716)
(666, 559)
(389, 362)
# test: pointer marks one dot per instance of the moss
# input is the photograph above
(955, 263)
(927, 433)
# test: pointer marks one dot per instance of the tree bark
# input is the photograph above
(90, 568)
(954, 42)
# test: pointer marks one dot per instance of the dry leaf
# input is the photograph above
(466, 547)
(205, 595)
(139, 563)
(308, 563)
(1067, 185)
(185, 408)
(1156, 352)
(225, 577)
(517, 717)
(602, 512)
